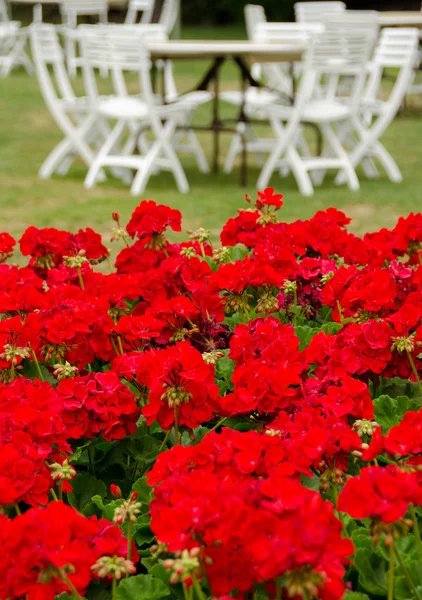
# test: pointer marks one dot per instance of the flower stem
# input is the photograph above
(113, 588)
(294, 306)
(414, 369)
(278, 588)
(391, 573)
(165, 441)
(81, 281)
(220, 422)
(176, 423)
(53, 493)
(66, 580)
(416, 526)
(129, 540)
(198, 588)
(91, 459)
(406, 575)
(17, 509)
(340, 312)
(37, 364)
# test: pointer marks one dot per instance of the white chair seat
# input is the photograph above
(125, 108)
(325, 111)
(130, 108)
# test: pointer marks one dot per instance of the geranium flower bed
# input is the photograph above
(201, 421)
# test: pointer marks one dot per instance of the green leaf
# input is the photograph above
(144, 492)
(399, 387)
(223, 374)
(312, 483)
(390, 411)
(332, 327)
(305, 334)
(85, 486)
(372, 571)
(355, 596)
(402, 590)
(97, 591)
(142, 587)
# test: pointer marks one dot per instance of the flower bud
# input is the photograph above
(115, 216)
(115, 490)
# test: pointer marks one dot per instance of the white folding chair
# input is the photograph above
(315, 12)
(397, 50)
(70, 11)
(334, 54)
(12, 48)
(72, 114)
(185, 140)
(169, 14)
(280, 79)
(121, 51)
(145, 7)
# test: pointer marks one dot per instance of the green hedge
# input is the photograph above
(219, 12)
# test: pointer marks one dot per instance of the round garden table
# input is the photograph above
(242, 53)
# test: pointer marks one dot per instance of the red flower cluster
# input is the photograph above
(289, 336)
(98, 404)
(46, 548)
(383, 493)
(32, 437)
(252, 521)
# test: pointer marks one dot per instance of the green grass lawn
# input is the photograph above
(28, 133)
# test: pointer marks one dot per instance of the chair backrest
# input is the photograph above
(4, 13)
(50, 67)
(397, 50)
(314, 12)
(71, 9)
(365, 19)
(334, 55)
(277, 74)
(117, 49)
(146, 7)
(169, 14)
(254, 15)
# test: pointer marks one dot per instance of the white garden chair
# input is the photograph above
(397, 50)
(316, 12)
(279, 77)
(185, 140)
(335, 53)
(13, 40)
(72, 114)
(71, 10)
(145, 7)
(121, 51)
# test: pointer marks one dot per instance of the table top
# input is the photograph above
(400, 18)
(200, 49)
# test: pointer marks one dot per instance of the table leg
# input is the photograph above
(216, 122)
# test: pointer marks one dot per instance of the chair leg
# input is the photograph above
(235, 148)
(55, 159)
(144, 173)
(340, 152)
(300, 172)
(176, 167)
(97, 163)
(388, 163)
(198, 152)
